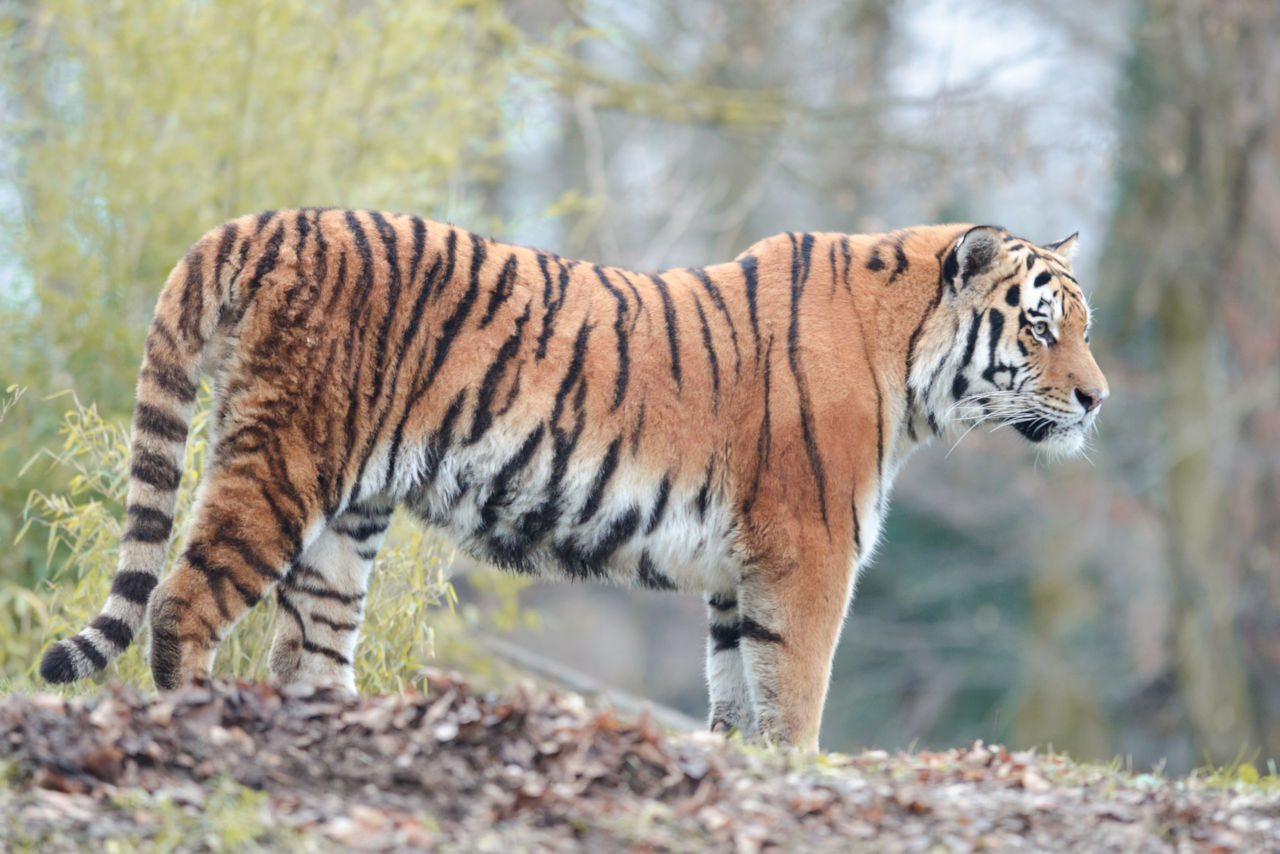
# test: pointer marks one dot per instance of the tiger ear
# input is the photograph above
(976, 250)
(1065, 247)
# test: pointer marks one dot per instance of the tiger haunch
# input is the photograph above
(731, 430)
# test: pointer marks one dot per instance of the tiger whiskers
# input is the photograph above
(1005, 406)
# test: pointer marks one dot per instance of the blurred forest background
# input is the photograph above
(1129, 604)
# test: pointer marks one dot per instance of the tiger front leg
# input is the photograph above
(728, 692)
(790, 622)
(321, 600)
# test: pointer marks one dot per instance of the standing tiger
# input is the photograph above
(732, 430)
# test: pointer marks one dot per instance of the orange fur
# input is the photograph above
(731, 430)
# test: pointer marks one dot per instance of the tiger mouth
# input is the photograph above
(1040, 429)
(1034, 430)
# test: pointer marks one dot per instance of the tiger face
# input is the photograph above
(1025, 361)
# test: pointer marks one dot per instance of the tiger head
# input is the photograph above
(1023, 358)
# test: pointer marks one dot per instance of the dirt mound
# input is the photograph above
(539, 770)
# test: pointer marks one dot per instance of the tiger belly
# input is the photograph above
(524, 503)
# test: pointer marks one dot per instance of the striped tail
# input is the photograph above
(186, 317)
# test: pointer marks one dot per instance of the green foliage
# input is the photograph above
(1240, 775)
(81, 535)
(130, 129)
(231, 818)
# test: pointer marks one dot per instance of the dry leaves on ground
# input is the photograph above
(540, 770)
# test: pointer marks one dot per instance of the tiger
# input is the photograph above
(732, 430)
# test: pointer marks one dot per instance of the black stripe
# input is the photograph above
(704, 493)
(831, 254)
(287, 524)
(638, 430)
(635, 293)
(725, 636)
(607, 467)
(161, 331)
(756, 632)
(325, 593)
(320, 260)
(291, 609)
(552, 306)
(764, 439)
(266, 263)
(502, 481)
(411, 330)
(453, 324)
(857, 525)
(326, 652)
(171, 378)
(711, 356)
(996, 321)
(669, 313)
(197, 559)
(334, 624)
(450, 257)
(441, 439)
(619, 330)
(950, 268)
(147, 525)
(247, 553)
(229, 234)
(848, 260)
(722, 603)
(388, 235)
(192, 297)
(650, 576)
(717, 299)
(574, 371)
(799, 275)
(582, 561)
(875, 381)
(489, 385)
(502, 289)
(361, 532)
(133, 586)
(749, 265)
(303, 227)
(534, 524)
(357, 326)
(154, 469)
(659, 505)
(96, 659)
(946, 277)
(900, 259)
(114, 630)
(263, 218)
(157, 422)
(959, 385)
(282, 480)
(419, 247)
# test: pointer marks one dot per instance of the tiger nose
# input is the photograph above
(1091, 399)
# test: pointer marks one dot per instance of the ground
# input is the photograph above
(243, 767)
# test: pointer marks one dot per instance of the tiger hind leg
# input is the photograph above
(249, 524)
(321, 599)
(728, 691)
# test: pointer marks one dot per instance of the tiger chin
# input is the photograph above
(730, 430)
